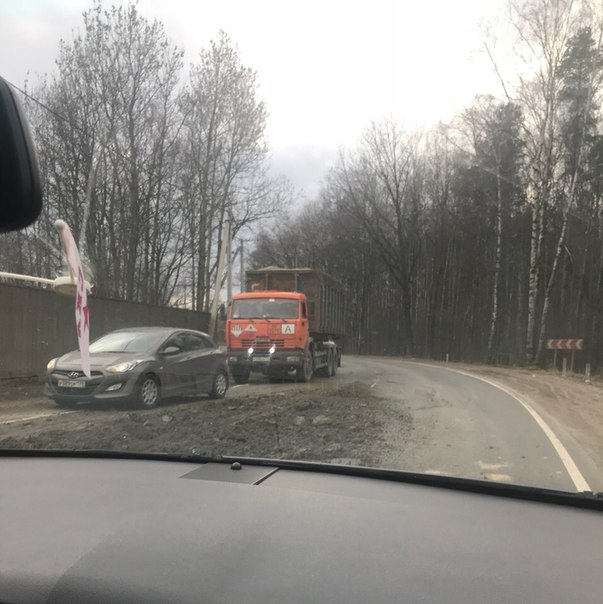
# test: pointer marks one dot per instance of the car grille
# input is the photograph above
(262, 343)
(73, 375)
(90, 385)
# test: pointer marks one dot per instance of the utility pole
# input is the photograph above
(229, 267)
(214, 307)
(242, 267)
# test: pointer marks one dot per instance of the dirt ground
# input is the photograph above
(321, 421)
(325, 420)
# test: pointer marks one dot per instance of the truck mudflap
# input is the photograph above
(281, 363)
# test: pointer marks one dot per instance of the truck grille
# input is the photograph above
(262, 343)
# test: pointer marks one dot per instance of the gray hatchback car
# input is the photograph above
(140, 365)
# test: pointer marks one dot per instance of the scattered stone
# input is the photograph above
(166, 418)
(299, 420)
(321, 420)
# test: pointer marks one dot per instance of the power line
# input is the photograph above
(91, 136)
(55, 113)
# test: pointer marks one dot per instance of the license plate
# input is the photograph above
(261, 359)
(71, 384)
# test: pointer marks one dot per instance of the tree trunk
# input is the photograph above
(549, 286)
(497, 263)
(534, 279)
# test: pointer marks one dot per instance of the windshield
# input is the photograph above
(265, 308)
(126, 341)
(426, 177)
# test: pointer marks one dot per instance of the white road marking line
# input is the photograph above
(566, 459)
(24, 419)
(497, 477)
(491, 466)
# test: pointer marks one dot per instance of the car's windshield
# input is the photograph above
(265, 308)
(126, 341)
(374, 228)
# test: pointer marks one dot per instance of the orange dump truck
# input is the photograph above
(288, 325)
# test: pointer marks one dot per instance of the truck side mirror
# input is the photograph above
(20, 188)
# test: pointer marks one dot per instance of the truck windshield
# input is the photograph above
(265, 308)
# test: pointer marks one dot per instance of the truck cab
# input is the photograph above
(267, 332)
(287, 325)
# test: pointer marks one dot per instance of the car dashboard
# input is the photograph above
(96, 529)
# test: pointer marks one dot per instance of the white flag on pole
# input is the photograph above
(82, 319)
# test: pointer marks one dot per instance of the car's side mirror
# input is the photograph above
(170, 350)
(20, 188)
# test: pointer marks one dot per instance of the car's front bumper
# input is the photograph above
(101, 386)
(282, 363)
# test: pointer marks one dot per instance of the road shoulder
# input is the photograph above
(568, 404)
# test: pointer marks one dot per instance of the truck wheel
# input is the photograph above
(308, 367)
(328, 370)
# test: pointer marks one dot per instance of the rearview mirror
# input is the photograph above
(171, 350)
(20, 189)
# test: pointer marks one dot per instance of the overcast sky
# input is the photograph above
(326, 68)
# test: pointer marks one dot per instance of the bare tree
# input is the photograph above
(224, 157)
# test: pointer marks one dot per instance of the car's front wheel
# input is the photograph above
(220, 385)
(149, 393)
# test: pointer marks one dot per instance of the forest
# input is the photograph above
(477, 239)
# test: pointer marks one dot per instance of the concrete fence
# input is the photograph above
(37, 324)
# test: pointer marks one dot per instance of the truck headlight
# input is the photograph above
(250, 350)
(52, 364)
(272, 349)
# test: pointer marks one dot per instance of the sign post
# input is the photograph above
(572, 344)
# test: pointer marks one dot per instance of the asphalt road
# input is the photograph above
(461, 426)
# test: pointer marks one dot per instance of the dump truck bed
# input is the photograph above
(326, 302)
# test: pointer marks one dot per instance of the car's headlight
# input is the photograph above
(123, 367)
(52, 364)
